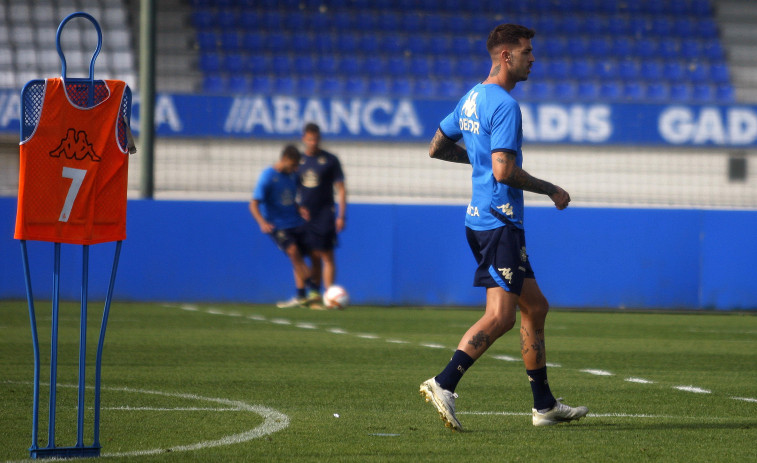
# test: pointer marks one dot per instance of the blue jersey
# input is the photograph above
(276, 192)
(488, 119)
(317, 176)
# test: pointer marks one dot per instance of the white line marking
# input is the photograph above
(506, 358)
(258, 318)
(745, 399)
(397, 341)
(177, 409)
(213, 311)
(307, 326)
(694, 389)
(432, 346)
(273, 420)
(596, 372)
(336, 331)
(281, 321)
(554, 365)
(639, 380)
(367, 336)
(599, 415)
(189, 308)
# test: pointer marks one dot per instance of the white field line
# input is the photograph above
(506, 358)
(599, 415)
(273, 420)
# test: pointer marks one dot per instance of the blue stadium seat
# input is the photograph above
(684, 27)
(713, 50)
(600, 47)
(349, 65)
(611, 90)
(369, 45)
(397, 66)
(587, 90)
(565, 90)
(318, 22)
(213, 83)
(662, 27)
(343, 21)
(559, 69)
(633, 91)
(657, 92)
(261, 84)
(472, 67)
(619, 25)
(388, 20)
(281, 64)
(443, 66)
(701, 8)
(305, 64)
(207, 40)
(331, 86)
(210, 62)
(250, 20)
(285, 85)
(719, 73)
(226, 19)
(703, 93)
(584, 68)
(551, 47)
(347, 43)
(622, 46)
(725, 94)
(230, 41)
(374, 65)
(697, 73)
(378, 86)
(296, 20)
(355, 86)
(273, 21)
(680, 92)
(420, 45)
(605, 69)
(233, 63)
(668, 49)
(238, 84)
(628, 69)
(691, 49)
(324, 42)
(571, 24)
(253, 41)
(646, 47)
(307, 85)
(707, 28)
(578, 46)
(256, 63)
(674, 71)
(203, 18)
(365, 20)
(538, 91)
(451, 88)
(651, 70)
(596, 25)
(425, 88)
(391, 43)
(402, 87)
(411, 21)
(278, 42)
(420, 66)
(327, 65)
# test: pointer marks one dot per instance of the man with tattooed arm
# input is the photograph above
(489, 121)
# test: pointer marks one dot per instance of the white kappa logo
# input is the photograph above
(469, 107)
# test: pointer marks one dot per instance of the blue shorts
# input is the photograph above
(320, 231)
(501, 257)
(286, 236)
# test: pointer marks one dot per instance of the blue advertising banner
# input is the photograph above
(389, 119)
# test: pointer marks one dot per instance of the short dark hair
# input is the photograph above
(312, 127)
(291, 152)
(508, 34)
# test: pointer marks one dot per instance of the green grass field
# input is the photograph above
(256, 383)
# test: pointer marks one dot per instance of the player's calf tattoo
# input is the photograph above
(480, 339)
(523, 335)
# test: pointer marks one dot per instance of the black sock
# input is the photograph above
(543, 398)
(301, 293)
(310, 285)
(455, 369)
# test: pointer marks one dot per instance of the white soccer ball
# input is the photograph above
(336, 297)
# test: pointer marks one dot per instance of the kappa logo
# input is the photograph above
(75, 146)
(469, 107)
(507, 274)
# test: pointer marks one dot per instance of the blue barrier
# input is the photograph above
(415, 255)
(278, 117)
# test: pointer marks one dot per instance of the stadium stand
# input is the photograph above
(642, 51)
(602, 48)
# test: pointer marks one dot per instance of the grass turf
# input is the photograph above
(181, 383)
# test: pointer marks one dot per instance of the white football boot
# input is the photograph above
(443, 400)
(293, 302)
(560, 413)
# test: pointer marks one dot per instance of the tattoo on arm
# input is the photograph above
(521, 179)
(447, 149)
(480, 339)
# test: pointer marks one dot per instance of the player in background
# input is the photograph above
(320, 174)
(488, 120)
(275, 209)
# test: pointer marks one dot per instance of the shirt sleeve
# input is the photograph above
(505, 123)
(259, 193)
(451, 127)
(337, 170)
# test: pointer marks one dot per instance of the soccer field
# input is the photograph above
(256, 383)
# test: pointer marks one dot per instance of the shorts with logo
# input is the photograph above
(286, 236)
(320, 231)
(501, 257)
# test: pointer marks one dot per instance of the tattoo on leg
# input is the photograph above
(539, 346)
(480, 339)
(523, 335)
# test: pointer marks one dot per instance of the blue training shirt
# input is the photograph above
(276, 192)
(488, 119)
